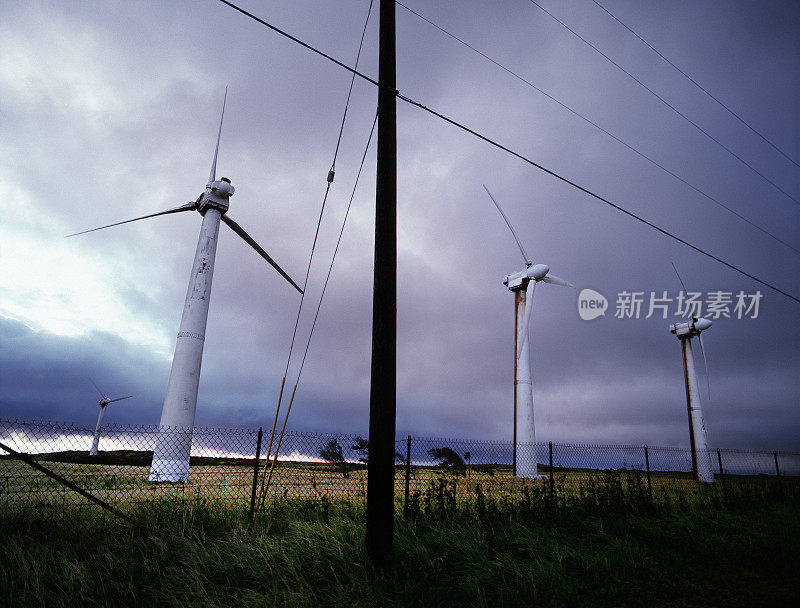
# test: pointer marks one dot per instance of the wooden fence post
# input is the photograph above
(647, 465)
(408, 474)
(255, 473)
(552, 486)
(722, 476)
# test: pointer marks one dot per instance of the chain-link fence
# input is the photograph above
(45, 467)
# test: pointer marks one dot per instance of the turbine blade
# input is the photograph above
(510, 227)
(526, 319)
(102, 394)
(186, 207)
(549, 278)
(679, 278)
(705, 363)
(213, 175)
(249, 240)
(119, 399)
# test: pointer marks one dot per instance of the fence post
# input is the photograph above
(255, 474)
(722, 475)
(552, 486)
(408, 474)
(777, 470)
(647, 465)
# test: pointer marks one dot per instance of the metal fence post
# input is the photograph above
(647, 465)
(722, 475)
(255, 474)
(777, 470)
(552, 486)
(408, 474)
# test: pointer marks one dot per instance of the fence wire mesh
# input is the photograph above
(223, 468)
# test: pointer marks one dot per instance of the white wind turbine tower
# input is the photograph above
(103, 403)
(522, 284)
(685, 331)
(174, 442)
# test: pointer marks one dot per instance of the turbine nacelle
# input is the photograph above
(216, 196)
(689, 329)
(536, 273)
(520, 280)
(516, 281)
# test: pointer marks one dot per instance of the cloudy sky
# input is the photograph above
(109, 111)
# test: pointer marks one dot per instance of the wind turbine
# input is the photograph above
(174, 441)
(103, 403)
(685, 331)
(522, 284)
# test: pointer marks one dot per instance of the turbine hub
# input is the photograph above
(538, 271)
(701, 324)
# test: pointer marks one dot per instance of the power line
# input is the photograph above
(517, 155)
(592, 194)
(331, 174)
(597, 126)
(336, 249)
(666, 103)
(298, 41)
(268, 477)
(697, 84)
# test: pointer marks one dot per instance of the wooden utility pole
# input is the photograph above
(383, 379)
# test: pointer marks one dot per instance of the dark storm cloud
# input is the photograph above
(45, 376)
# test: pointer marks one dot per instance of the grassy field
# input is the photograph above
(596, 551)
(120, 478)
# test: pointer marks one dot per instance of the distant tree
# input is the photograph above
(361, 447)
(332, 452)
(448, 459)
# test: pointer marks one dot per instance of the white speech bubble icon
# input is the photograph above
(591, 304)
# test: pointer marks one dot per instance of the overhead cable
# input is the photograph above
(517, 155)
(265, 485)
(330, 177)
(669, 105)
(594, 124)
(698, 85)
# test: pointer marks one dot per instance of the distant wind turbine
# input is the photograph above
(104, 401)
(522, 284)
(174, 442)
(685, 331)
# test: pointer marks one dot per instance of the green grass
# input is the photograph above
(607, 549)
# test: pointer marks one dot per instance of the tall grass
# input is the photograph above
(605, 546)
